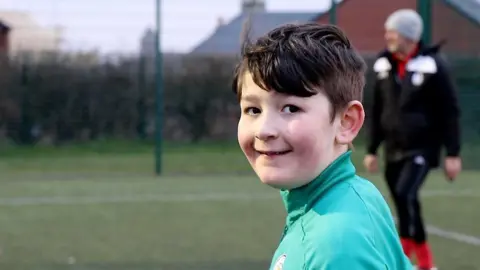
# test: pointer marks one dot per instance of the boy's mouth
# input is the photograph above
(273, 153)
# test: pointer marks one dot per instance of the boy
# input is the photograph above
(300, 88)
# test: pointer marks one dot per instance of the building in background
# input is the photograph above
(27, 37)
(4, 36)
(147, 43)
(456, 21)
(226, 38)
(147, 53)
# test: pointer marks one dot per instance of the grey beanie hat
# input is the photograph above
(407, 22)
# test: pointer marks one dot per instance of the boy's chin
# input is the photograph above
(280, 181)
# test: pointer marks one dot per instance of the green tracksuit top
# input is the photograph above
(339, 221)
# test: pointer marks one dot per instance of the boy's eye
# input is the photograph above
(251, 110)
(290, 109)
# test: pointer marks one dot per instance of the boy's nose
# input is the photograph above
(266, 131)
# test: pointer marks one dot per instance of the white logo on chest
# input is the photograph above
(280, 261)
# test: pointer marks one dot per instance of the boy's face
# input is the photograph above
(288, 140)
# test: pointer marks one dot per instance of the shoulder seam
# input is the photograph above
(304, 235)
(368, 211)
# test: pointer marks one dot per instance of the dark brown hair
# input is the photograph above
(303, 60)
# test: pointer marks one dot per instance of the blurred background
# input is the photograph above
(86, 182)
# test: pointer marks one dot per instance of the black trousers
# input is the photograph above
(404, 178)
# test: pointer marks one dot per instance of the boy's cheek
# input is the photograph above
(245, 138)
(313, 144)
(305, 136)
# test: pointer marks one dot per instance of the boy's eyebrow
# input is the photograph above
(250, 98)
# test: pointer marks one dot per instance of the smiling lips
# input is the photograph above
(273, 153)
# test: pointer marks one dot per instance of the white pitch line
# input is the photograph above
(450, 193)
(206, 197)
(455, 236)
(451, 235)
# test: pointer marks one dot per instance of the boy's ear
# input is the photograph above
(351, 121)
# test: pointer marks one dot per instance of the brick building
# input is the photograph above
(456, 21)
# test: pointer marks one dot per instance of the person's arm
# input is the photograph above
(449, 110)
(375, 131)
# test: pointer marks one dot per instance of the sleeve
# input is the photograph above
(375, 134)
(448, 109)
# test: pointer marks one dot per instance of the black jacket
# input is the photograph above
(416, 114)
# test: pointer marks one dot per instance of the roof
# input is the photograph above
(468, 8)
(4, 26)
(226, 38)
(17, 19)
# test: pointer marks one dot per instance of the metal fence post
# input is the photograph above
(158, 91)
(333, 12)
(424, 8)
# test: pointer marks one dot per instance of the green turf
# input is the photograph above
(107, 211)
(122, 158)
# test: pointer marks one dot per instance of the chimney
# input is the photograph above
(249, 6)
(220, 21)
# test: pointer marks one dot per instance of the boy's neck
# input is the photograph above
(298, 201)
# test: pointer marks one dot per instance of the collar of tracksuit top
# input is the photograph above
(298, 201)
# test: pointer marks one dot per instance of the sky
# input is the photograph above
(118, 25)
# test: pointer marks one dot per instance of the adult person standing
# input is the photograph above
(415, 114)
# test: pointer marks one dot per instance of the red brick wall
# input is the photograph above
(363, 22)
(463, 36)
